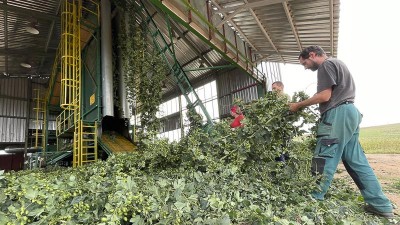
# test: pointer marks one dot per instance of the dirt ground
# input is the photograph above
(386, 168)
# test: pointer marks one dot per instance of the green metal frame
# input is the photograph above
(180, 76)
(58, 156)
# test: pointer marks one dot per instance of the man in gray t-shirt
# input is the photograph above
(338, 131)
(333, 73)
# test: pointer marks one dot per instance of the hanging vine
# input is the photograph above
(144, 71)
(194, 118)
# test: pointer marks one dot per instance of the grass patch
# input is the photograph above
(383, 139)
(396, 186)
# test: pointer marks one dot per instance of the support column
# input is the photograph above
(28, 115)
(124, 108)
(106, 59)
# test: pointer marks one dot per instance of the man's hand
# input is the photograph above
(294, 106)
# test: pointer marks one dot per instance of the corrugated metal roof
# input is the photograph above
(278, 30)
(19, 46)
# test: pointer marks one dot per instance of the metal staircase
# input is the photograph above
(166, 49)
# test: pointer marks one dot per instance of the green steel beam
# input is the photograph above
(209, 68)
(159, 4)
(58, 156)
(46, 127)
(104, 147)
(51, 91)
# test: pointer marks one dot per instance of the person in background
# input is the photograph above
(278, 87)
(338, 130)
(238, 117)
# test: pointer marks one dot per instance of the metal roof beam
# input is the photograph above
(250, 5)
(289, 53)
(28, 13)
(235, 26)
(331, 27)
(289, 15)
(229, 17)
(264, 31)
(22, 52)
(190, 43)
(49, 35)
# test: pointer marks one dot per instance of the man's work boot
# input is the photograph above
(371, 209)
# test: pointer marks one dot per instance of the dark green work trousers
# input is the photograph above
(338, 133)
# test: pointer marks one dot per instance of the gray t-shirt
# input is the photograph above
(334, 73)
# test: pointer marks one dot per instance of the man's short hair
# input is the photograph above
(279, 83)
(305, 54)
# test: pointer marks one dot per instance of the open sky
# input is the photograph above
(369, 43)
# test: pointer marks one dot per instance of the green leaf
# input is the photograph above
(31, 194)
(225, 220)
(36, 212)
(137, 220)
(180, 205)
(12, 209)
(3, 218)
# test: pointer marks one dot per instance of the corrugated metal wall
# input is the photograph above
(14, 97)
(232, 85)
(236, 84)
(273, 72)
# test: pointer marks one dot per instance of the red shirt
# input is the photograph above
(236, 121)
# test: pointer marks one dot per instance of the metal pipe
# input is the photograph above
(28, 115)
(22, 149)
(122, 85)
(106, 59)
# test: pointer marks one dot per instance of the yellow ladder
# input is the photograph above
(40, 110)
(70, 55)
(85, 136)
(86, 139)
(71, 69)
(88, 143)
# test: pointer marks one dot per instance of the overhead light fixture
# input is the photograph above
(164, 86)
(201, 63)
(26, 65)
(174, 40)
(32, 28)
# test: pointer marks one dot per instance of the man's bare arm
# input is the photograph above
(319, 97)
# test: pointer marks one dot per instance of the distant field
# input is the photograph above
(381, 139)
